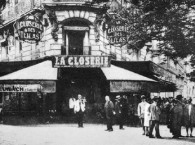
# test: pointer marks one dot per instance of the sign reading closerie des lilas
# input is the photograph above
(117, 31)
(29, 29)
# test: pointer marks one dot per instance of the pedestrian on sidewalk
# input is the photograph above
(119, 111)
(155, 112)
(109, 110)
(147, 117)
(141, 111)
(1, 115)
(79, 109)
(189, 117)
(177, 117)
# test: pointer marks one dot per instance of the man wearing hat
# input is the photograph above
(189, 117)
(118, 111)
(141, 110)
(109, 110)
(155, 112)
(177, 116)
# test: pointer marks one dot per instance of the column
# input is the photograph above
(86, 43)
(66, 46)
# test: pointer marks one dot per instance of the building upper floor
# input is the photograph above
(67, 28)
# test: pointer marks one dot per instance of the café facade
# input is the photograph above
(55, 50)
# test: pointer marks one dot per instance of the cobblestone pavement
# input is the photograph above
(91, 134)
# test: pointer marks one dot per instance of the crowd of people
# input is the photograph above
(179, 112)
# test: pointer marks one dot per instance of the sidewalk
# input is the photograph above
(91, 134)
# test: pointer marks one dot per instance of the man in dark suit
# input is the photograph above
(109, 110)
(155, 112)
(177, 117)
(119, 111)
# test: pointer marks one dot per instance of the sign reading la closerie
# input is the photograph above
(81, 61)
(29, 30)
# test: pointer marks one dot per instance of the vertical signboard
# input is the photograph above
(117, 31)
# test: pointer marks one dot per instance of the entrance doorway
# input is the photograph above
(76, 39)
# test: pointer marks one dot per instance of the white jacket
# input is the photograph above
(71, 103)
(79, 105)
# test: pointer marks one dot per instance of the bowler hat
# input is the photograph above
(179, 97)
(155, 98)
(118, 97)
(143, 96)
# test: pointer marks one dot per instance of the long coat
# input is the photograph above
(147, 116)
(189, 119)
(118, 108)
(109, 109)
(155, 112)
(177, 118)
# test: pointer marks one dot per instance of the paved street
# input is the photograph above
(91, 134)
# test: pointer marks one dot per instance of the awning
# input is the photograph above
(166, 79)
(12, 66)
(117, 73)
(41, 71)
(122, 80)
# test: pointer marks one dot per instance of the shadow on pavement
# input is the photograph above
(187, 139)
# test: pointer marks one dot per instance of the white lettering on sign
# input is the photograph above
(30, 29)
(81, 61)
(19, 87)
(67, 1)
(117, 32)
(76, 28)
(130, 86)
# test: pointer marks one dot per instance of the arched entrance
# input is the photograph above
(76, 37)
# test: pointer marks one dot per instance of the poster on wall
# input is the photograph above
(29, 29)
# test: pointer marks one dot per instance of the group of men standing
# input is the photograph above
(178, 114)
(149, 115)
(118, 110)
(181, 113)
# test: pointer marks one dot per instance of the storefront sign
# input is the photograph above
(48, 86)
(163, 73)
(75, 28)
(43, 86)
(117, 32)
(81, 61)
(66, 1)
(19, 87)
(30, 29)
(129, 86)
